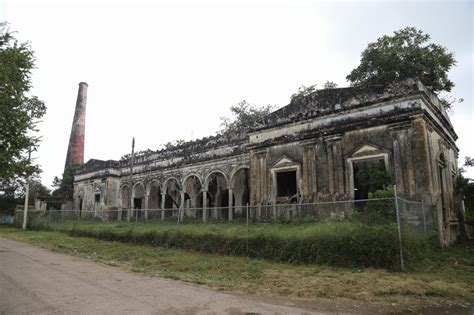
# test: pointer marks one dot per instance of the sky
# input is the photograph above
(161, 71)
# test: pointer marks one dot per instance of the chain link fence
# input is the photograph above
(413, 218)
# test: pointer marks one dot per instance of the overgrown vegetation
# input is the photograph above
(446, 276)
(347, 244)
(244, 116)
(408, 53)
(15, 195)
(65, 185)
(465, 187)
(19, 115)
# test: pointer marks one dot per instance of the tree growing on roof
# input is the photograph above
(406, 54)
(244, 116)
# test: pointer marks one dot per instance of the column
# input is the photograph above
(145, 206)
(163, 199)
(181, 206)
(204, 206)
(231, 196)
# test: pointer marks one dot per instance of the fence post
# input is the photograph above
(49, 217)
(78, 216)
(402, 264)
(247, 233)
(424, 217)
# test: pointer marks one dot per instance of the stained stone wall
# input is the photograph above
(317, 140)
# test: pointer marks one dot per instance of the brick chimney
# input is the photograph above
(75, 151)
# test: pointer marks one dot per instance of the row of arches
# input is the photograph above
(223, 197)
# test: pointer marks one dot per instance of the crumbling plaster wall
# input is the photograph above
(407, 131)
(227, 166)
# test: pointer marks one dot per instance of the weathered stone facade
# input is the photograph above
(304, 152)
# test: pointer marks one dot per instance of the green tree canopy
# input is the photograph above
(244, 116)
(302, 92)
(19, 112)
(65, 185)
(406, 54)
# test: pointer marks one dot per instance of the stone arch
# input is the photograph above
(165, 182)
(172, 190)
(138, 195)
(213, 173)
(217, 186)
(234, 172)
(191, 175)
(239, 182)
(192, 186)
(154, 195)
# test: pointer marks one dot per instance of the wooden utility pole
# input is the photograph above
(25, 210)
(130, 196)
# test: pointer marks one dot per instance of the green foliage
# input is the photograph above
(469, 161)
(330, 85)
(302, 92)
(406, 54)
(245, 116)
(372, 175)
(65, 186)
(465, 187)
(19, 113)
(37, 190)
(335, 244)
(377, 211)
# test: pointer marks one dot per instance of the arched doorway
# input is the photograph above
(154, 200)
(240, 184)
(217, 187)
(172, 197)
(138, 199)
(192, 188)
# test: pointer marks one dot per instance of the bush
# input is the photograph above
(377, 211)
(337, 244)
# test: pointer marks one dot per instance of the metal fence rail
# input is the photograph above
(419, 215)
(414, 216)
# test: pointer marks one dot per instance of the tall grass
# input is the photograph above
(348, 244)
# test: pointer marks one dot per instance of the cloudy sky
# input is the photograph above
(160, 71)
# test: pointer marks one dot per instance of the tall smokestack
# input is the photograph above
(75, 150)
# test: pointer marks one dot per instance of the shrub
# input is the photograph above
(337, 244)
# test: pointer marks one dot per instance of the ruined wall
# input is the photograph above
(315, 144)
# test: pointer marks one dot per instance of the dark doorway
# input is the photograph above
(369, 176)
(137, 203)
(286, 184)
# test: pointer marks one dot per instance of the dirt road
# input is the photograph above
(34, 280)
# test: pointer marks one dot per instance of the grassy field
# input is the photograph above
(444, 277)
(344, 244)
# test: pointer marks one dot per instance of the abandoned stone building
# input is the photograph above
(306, 152)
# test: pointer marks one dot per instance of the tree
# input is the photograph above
(330, 85)
(245, 116)
(302, 92)
(370, 176)
(469, 161)
(406, 54)
(37, 190)
(465, 187)
(65, 185)
(19, 113)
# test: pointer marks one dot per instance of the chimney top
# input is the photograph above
(83, 83)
